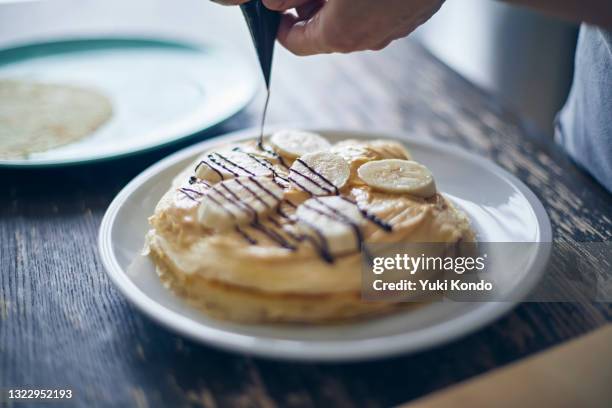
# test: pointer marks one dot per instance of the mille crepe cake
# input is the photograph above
(271, 231)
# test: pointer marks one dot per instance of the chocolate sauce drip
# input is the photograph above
(263, 118)
(253, 193)
(223, 166)
(194, 180)
(246, 236)
(320, 244)
(279, 225)
(265, 189)
(376, 220)
(306, 189)
(204, 182)
(265, 163)
(241, 204)
(192, 191)
(272, 153)
(212, 167)
(220, 204)
(338, 216)
(250, 173)
(343, 218)
(289, 203)
(187, 193)
(371, 217)
(329, 183)
(274, 236)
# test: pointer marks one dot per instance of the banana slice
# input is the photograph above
(398, 176)
(331, 221)
(218, 166)
(320, 173)
(238, 201)
(296, 143)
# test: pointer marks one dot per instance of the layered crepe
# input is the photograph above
(263, 232)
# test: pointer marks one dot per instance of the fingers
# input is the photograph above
(284, 5)
(309, 9)
(301, 37)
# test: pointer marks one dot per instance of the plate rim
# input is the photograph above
(254, 89)
(327, 350)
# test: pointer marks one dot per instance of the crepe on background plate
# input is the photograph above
(36, 116)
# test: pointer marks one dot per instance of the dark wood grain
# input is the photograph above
(63, 324)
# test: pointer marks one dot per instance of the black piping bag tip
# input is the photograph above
(263, 24)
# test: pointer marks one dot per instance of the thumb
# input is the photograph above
(302, 36)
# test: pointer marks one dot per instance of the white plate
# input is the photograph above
(501, 208)
(161, 91)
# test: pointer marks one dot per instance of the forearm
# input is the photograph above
(598, 12)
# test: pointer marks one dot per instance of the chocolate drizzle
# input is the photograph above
(322, 177)
(187, 193)
(267, 164)
(337, 215)
(263, 119)
(254, 194)
(371, 217)
(272, 153)
(246, 236)
(306, 189)
(250, 173)
(276, 232)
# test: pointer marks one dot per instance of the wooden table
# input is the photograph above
(63, 324)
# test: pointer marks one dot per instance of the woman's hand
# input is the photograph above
(326, 26)
(321, 26)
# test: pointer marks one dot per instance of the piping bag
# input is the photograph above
(263, 25)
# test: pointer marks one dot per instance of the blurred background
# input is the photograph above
(507, 50)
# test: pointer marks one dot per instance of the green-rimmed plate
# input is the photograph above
(161, 91)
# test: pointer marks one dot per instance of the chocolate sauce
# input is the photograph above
(224, 167)
(272, 153)
(329, 183)
(250, 173)
(371, 217)
(320, 244)
(343, 218)
(220, 204)
(263, 120)
(192, 191)
(203, 182)
(265, 189)
(241, 204)
(187, 194)
(306, 189)
(246, 236)
(211, 167)
(265, 163)
(253, 193)
(336, 216)
(274, 236)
